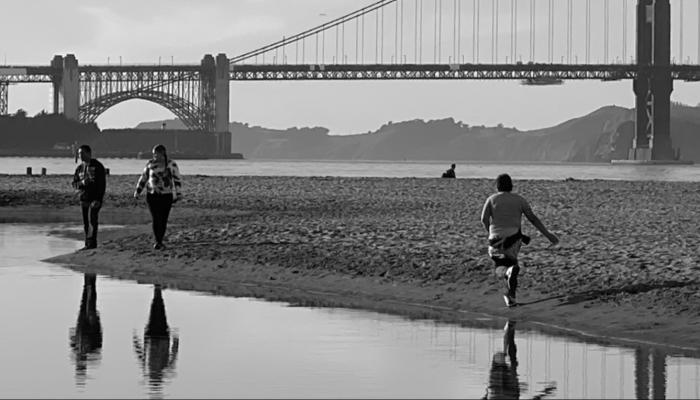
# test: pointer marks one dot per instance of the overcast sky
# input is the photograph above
(142, 32)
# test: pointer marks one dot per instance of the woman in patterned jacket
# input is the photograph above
(161, 177)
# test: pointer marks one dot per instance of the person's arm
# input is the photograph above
(100, 181)
(76, 179)
(486, 214)
(142, 182)
(530, 215)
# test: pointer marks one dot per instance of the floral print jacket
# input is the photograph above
(160, 180)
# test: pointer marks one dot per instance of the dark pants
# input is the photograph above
(90, 222)
(159, 205)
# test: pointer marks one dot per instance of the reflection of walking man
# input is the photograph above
(89, 178)
(156, 356)
(86, 337)
(503, 376)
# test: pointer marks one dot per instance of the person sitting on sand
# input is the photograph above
(501, 217)
(450, 173)
(90, 179)
(162, 177)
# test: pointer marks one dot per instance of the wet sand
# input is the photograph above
(627, 266)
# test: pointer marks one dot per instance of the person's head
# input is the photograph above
(453, 166)
(84, 153)
(159, 153)
(504, 183)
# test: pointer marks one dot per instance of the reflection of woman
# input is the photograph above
(162, 179)
(86, 337)
(156, 356)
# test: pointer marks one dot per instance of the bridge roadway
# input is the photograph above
(535, 72)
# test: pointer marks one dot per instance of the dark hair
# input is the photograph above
(161, 149)
(504, 183)
(453, 166)
(85, 148)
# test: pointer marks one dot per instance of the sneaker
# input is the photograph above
(510, 301)
(158, 246)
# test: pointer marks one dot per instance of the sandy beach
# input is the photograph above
(627, 266)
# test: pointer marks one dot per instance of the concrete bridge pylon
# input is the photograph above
(653, 84)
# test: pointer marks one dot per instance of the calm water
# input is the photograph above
(65, 334)
(556, 171)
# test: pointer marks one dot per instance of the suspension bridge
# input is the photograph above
(536, 42)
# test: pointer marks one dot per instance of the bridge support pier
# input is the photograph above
(66, 87)
(215, 99)
(4, 97)
(653, 86)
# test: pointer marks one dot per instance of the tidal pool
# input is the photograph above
(65, 334)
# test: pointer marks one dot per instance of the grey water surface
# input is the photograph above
(65, 334)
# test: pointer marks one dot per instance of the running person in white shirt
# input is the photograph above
(501, 217)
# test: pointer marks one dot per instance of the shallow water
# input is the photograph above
(554, 171)
(67, 334)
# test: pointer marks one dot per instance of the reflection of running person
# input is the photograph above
(90, 179)
(156, 356)
(86, 337)
(501, 217)
(162, 178)
(503, 376)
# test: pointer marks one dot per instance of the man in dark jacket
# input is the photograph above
(90, 180)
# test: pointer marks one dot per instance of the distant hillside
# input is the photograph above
(600, 136)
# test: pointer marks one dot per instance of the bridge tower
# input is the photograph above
(653, 85)
(66, 86)
(4, 97)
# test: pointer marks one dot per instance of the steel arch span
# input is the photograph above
(189, 113)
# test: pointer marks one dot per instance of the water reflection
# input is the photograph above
(86, 337)
(156, 353)
(503, 376)
(642, 372)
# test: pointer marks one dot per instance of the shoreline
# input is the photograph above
(407, 246)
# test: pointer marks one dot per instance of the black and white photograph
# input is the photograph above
(356, 199)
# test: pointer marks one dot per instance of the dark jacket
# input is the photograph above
(90, 180)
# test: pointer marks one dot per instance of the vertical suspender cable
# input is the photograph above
(435, 33)
(420, 42)
(454, 31)
(512, 19)
(532, 30)
(459, 30)
(495, 39)
(624, 31)
(680, 36)
(362, 47)
(439, 31)
(588, 31)
(401, 47)
(475, 33)
(415, 34)
(606, 30)
(396, 34)
(376, 39)
(381, 51)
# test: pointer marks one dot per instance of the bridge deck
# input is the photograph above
(534, 73)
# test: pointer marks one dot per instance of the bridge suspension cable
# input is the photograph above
(319, 29)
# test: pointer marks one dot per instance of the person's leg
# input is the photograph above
(153, 207)
(84, 208)
(514, 270)
(166, 206)
(94, 222)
